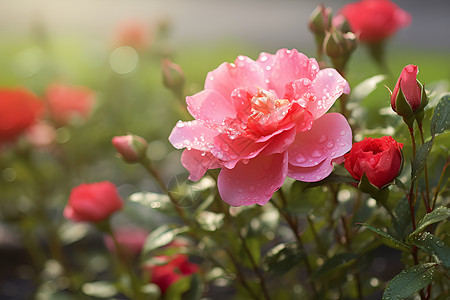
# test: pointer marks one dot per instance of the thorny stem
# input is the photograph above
(241, 276)
(347, 241)
(121, 266)
(438, 188)
(411, 197)
(426, 171)
(293, 224)
(255, 266)
(149, 167)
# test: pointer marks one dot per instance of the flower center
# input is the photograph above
(265, 102)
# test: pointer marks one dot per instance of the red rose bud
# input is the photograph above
(130, 241)
(130, 147)
(93, 202)
(19, 110)
(380, 160)
(165, 270)
(320, 20)
(173, 76)
(409, 98)
(375, 20)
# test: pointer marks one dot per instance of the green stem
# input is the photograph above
(438, 188)
(122, 268)
(293, 224)
(427, 185)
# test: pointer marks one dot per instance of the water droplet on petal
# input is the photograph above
(342, 132)
(180, 124)
(316, 153)
(323, 138)
(300, 158)
(330, 144)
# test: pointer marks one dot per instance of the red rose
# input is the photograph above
(410, 87)
(168, 269)
(93, 202)
(380, 159)
(375, 20)
(66, 102)
(19, 109)
(130, 241)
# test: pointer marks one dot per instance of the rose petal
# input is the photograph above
(328, 87)
(192, 134)
(311, 174)
(198, 162)
(210, 107)
(245, 73)
(329, 137)
(254, 182)
(288, 66)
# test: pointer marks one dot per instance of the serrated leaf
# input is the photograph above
(283, 257)
(161, 236)
(441, 116)
(99, 289)
(364, 88)
(421, 159)
(396, 243)
(409, 281)
(338, 261)
(402, 219)
(439, 214)
(433, 246)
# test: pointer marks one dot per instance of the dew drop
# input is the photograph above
(203, 153)
(300, 158)
(330, 74)
(342, 132)
(180, 124)
(316, 153)
(330, 144)
(323, 139)
(245, 161)
(268, 68)
(225, 147)
(263, 58)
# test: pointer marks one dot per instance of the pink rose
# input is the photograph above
(261, 121)
(411, 89)
(19, 110)
(93, 202)
(380, 159)
(66, 102)
(375, 20)
(169, 269)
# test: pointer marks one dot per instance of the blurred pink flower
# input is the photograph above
(66, 102)
(93, 202)
(165, 270)
(130, 240)
(19, 110)
(135, 34)
(261, 121)
(374, 20)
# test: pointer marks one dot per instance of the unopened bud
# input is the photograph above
(339, 46)
(130, 147)
(320, 20)
(173, 76)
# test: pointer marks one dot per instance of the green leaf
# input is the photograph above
(161, 236)
(283, 257)
(364, 88)
(336, 262)
(153, 200)
(99, 289)
(433, 246)
(396, 243)
(439, 214)
(332, 178)
(441, 116)
(209, 221)
(409, 281)
(402, 219)
(421, 159)
(177, 288)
